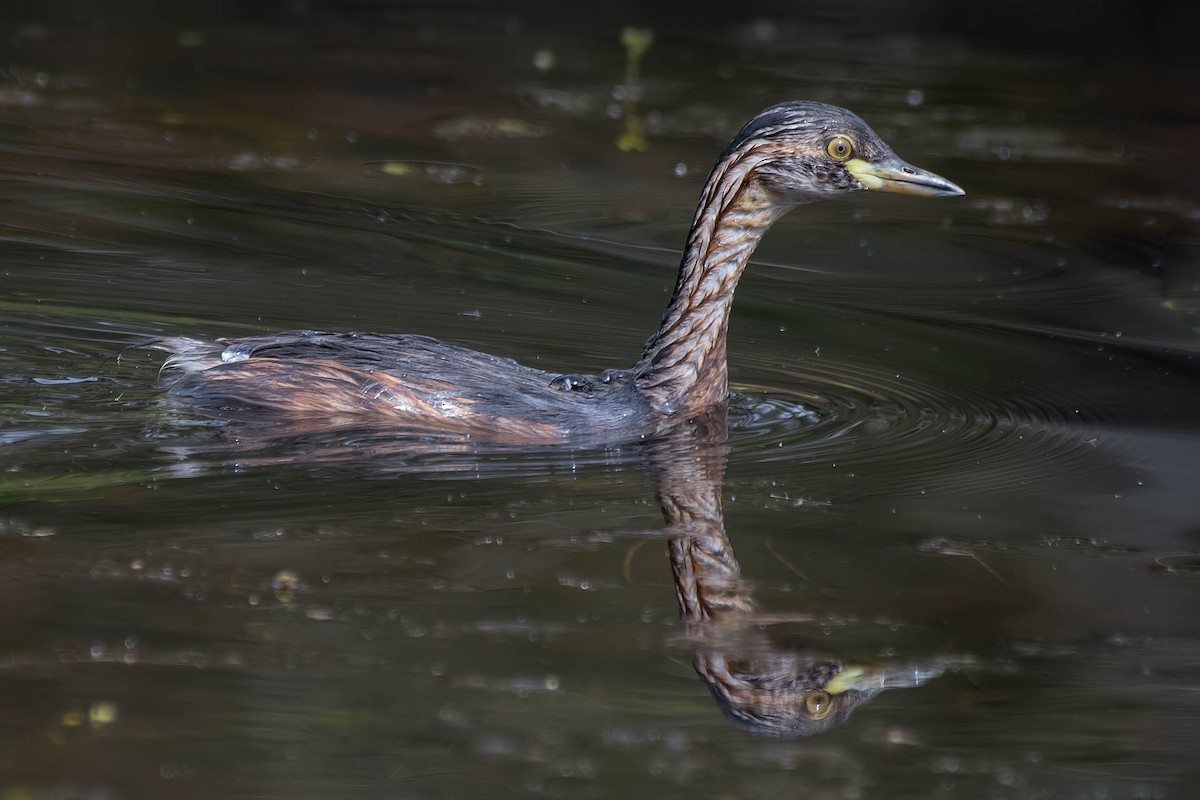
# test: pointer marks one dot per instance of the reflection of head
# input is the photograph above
(767, 687)
(783, 694)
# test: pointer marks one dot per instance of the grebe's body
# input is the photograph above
(405, 381)
(789, 154)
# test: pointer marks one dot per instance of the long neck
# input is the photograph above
(683, 367)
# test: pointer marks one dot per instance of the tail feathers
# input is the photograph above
(188, 356)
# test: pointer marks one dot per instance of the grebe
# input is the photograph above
(789, 154)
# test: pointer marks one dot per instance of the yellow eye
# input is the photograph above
(839, 148)
(818, 705)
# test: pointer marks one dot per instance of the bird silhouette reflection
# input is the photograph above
(765, 686)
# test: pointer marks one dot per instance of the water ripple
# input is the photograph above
(911, 435)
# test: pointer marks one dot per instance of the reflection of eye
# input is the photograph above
(839, 148)
(818, 705)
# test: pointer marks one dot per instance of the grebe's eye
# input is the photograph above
(839, 148)
(818, 705)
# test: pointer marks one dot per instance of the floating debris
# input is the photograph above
(443, 172)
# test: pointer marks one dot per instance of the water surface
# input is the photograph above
(963, 438)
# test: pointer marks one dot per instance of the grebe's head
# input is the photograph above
(803, 151)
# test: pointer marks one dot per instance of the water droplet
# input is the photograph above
(544, 60)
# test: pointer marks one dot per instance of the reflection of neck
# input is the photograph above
(689, 471)
(683, 367)
(707, 577)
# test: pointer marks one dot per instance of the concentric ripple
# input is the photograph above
(910, 434)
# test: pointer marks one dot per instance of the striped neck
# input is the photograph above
(683, 367)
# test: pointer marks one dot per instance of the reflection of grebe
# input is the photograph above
(789, 154)
(766, 687)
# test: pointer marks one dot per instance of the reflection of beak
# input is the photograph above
(876, 679)
(894, 175)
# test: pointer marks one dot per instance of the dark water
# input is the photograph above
(964, 441)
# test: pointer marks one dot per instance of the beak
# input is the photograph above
(873, 679)
(894, 175)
